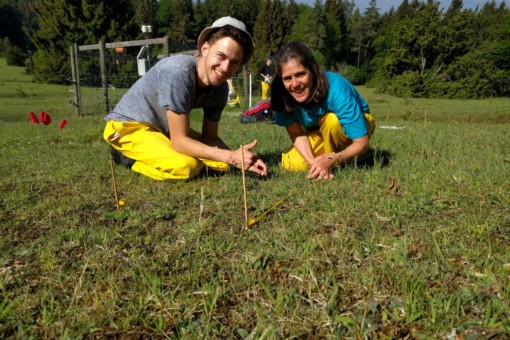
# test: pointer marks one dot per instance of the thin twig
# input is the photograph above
(202, 199)
(244, 190)
(114, 183)
(78, 285)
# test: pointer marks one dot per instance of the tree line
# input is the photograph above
(418, 49)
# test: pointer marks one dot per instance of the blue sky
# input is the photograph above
(385, 5)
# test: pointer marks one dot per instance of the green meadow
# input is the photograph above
(413, 242)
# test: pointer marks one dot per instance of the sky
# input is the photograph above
(385, 5)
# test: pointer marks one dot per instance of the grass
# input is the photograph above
(341, 258)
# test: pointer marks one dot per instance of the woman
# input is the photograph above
(326, 118)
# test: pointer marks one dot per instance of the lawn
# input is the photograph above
(413, 243)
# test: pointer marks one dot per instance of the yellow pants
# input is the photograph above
(235, 101)
(153, 153)
(328, 138)
(266, 89)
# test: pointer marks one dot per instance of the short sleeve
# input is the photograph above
(348, 105)
(283, 119)
(174, 88)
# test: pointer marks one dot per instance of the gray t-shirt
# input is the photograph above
(170, 84)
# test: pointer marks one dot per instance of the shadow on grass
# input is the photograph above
(373, 158)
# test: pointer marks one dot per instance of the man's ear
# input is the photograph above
(204, 49)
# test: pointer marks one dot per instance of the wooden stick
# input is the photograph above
(114, 183)
(244, 190)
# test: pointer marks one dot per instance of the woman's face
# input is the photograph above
(297, 80)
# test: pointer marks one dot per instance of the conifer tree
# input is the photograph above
(210, 11)
(454, 8)
(146, 12)
(404, 11)
(268, 32)
(291, 14)
(336, 33)
(356, 38)
(181, 27)
(315, 32)
(455, 35)
(245, 12)
(11, 18)
(227, 7)
(60, 23)
(199, 16)
(299, 27)
(370, 26)
(164, 15)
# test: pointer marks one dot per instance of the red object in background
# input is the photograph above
(63, 123)
(45, 118)
(120, 55)
(33, 118)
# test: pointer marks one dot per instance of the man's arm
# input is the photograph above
(179, 127)
(211, 146)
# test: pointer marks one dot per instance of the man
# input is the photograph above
(149, 129)
(266, 72)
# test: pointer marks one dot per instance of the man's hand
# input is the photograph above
(321, 167)
(252, 162)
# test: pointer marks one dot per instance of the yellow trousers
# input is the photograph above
(153, 153)
(266, 89)
(327, 139)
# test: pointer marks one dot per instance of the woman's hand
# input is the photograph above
(322, 166)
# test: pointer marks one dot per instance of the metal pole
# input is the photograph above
(78, 85)
(73, 72)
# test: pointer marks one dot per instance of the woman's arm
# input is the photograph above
(323, 165)
(358, 147)
(301, 142)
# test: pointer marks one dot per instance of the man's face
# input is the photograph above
(219, 61)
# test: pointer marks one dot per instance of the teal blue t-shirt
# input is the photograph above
(342, 99)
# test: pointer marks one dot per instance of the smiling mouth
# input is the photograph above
(299, 92)
(221, 75)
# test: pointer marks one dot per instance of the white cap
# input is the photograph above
(227, 21)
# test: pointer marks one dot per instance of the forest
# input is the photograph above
(418, 49)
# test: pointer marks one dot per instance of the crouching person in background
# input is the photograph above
(149, 129)
(328, 122)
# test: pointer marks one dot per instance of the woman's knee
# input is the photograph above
(329, 121)
(370, 121)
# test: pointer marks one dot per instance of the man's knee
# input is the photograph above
(185, 166)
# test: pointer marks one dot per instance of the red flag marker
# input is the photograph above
(63, 123)
(45, 118)
(33, 118)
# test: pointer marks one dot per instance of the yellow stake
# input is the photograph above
(255, 220)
